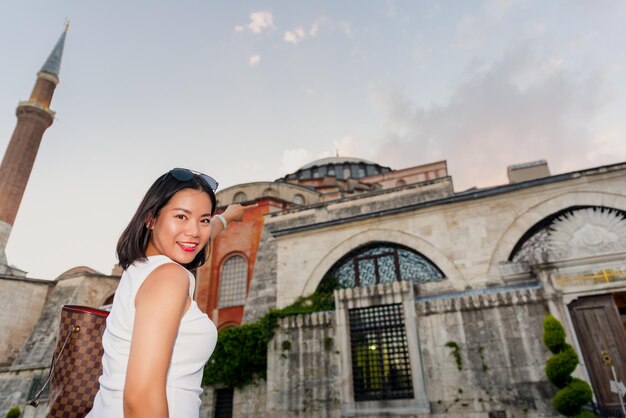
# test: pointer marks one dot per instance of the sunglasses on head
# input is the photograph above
(185, 174)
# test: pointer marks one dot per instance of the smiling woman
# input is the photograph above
(156, 339)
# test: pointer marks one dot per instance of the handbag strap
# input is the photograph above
(35, 401)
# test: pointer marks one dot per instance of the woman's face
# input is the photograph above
(182, 227)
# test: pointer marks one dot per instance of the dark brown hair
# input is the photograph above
(134, 240)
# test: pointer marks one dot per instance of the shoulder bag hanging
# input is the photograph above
(76, 363)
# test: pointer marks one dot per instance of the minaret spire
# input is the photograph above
(52, 66)
(33, 118)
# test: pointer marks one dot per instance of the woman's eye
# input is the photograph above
(206, 221)
(181, 216)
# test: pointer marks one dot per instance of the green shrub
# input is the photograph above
(569, 400)
(14, 412)
(240, 355)
(574, 393)
(553, 334)
(560, 366)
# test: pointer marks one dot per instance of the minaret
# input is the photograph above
(33, 118)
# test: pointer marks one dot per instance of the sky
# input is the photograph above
(250, 91)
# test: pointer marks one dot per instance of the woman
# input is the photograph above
(157, 340)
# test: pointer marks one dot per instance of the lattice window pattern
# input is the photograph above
(233, 282)
(382, 264)
(381, 367)
(224, 403)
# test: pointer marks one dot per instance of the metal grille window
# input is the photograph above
(381, 263)
(381, 367)
(223, 403)
(233, 282)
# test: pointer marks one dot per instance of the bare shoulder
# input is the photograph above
(167, 280)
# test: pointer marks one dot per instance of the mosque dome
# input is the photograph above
(341, 168)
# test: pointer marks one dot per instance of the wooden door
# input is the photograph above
(599, 330)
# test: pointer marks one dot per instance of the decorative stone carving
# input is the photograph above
(535, 249)
(587, 232)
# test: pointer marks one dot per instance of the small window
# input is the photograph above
(233, 282)
(270, 192)
(240, 197)
(346, 172)
(400, 182)
(298, 199)
(361, 171)
(331, 170)
(224, 403)
(381, 369)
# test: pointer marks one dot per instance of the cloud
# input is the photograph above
(315, 27)
(470, 32)
(293, 159)
(299, 34)
(259, 21)
(254, 60)
(295, 36)
(348, 146)
(347, 28)
(521, 107)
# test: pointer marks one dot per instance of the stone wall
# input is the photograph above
(22, 301)
(14, 388)
(303, 368)
(499, 335)
(262, 293)
(251, 401)
(79, 287)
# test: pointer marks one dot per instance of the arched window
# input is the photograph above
(270, 192)
(233, 281)
(298, 199)
(400, 182)
(578, 231)
(240, 197)
(380, 263)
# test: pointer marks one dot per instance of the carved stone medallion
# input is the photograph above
(587, 232)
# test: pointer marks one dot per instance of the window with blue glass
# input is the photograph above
(381, 263)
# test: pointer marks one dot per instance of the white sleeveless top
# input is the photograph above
(194, 344)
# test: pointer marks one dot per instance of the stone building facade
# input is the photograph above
(439, 295)
(501, 258)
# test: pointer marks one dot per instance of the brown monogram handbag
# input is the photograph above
(76, 363)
